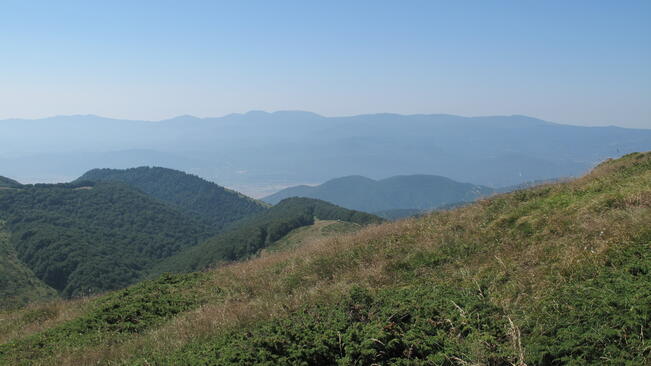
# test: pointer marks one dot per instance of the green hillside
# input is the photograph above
(248, 236)
(8, 183)
(86, 238)
(399, 213)
(553, 275)
(18, 284)
(306, 234)
(83, 240)
(414, 192)
(218, 205)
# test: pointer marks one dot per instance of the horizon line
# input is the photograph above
(263, 112)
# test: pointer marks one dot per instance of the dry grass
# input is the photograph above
(252, 291)
(36, 318)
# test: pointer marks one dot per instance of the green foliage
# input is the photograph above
(399, 213)
(137, 308)
(8, 183)
(320, 229)
(18, 284)
(115, 316)
(602, 316)
(217, 205)
(248, 236)
(82, 240)
(415, 325)
(84, 237)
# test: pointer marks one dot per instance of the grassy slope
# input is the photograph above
(18, 284)
(399, 214)
(245, 238)
(551, 275)
(319, 230)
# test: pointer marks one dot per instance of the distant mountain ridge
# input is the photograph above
(410, 192)
(256, 151)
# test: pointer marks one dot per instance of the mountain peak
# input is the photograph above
(255, 112)
(297, 113)
(183, 117)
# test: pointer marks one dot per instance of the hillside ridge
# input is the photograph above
(8, 183)
(195, 195)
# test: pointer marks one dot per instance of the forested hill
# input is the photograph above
(218, 205)
(82, 239)
(416, 192)
(89, 237)
(8, 183)
(18, 284)
(250, 235)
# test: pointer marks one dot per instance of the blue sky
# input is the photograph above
(577, 62)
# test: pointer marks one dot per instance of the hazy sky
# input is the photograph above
(578, 62)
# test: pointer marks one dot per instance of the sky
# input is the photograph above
(576, 62)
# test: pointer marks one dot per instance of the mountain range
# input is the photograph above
(415, 192)
(258, 152)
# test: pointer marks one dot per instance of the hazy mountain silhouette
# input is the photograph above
(255, 151)
(418, 192)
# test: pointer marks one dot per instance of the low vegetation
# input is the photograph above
(556, 274)
(319, 230)
(398, 214)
